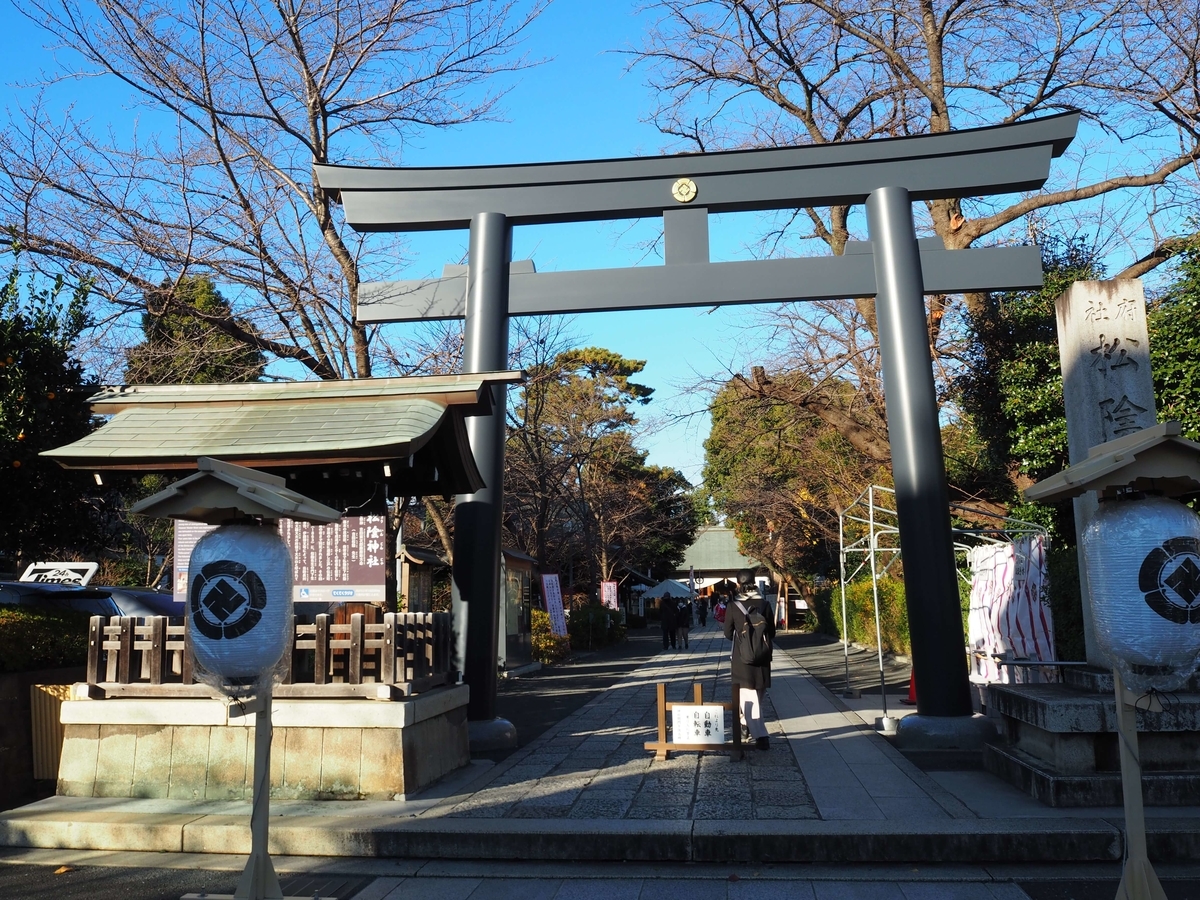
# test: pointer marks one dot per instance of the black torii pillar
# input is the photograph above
(478, 517)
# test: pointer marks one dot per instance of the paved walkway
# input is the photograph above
(823, 762)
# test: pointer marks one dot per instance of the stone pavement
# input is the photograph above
(593, 764)
(829, 790)
(824, 763)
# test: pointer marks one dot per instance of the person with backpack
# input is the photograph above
(750, 624)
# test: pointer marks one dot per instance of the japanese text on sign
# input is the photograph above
(697, 724)
(608, 594)
(330, 563)
(552, 594)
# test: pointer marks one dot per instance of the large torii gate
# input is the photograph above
(887, 175)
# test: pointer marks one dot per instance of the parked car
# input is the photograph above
(93, 599)
(143, 601)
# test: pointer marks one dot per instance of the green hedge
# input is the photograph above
(546, 645)
(594, 626)
(1062, 565)
(860, 611)
(31, 638)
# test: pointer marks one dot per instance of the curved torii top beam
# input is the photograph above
(975, 162)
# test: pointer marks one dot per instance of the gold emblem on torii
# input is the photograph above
(684, 190)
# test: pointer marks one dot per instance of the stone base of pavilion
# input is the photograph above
(203, 749)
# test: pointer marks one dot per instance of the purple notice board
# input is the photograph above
(330, 563)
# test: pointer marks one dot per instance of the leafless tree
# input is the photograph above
(759, 73)
(739, 73)
(244, 99)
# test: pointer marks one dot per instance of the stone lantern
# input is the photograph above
(1142, 554)
(239, 609)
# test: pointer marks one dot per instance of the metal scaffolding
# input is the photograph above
(882, 536)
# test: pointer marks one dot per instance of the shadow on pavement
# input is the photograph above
(533, 703)
(825, 660)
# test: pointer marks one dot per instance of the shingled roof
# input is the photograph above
(412, 425)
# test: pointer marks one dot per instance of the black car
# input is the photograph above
(97, 601)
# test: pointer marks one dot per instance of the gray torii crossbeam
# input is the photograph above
(701, 284)
(885, 175)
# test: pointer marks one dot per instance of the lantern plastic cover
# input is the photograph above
(1143, 566)
(240, 608)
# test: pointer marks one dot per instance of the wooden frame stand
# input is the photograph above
(662, 747)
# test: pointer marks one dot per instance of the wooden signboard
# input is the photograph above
(693, 728)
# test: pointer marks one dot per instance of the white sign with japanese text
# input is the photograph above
(608, 594)
(552, 594)
(693, 723)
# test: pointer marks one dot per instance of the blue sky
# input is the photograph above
(581, 103)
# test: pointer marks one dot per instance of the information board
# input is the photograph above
(552, 594)
(330, 563)
(697, 723)
(341, 561)
(608, 594)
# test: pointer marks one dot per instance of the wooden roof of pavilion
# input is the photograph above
(406, 431)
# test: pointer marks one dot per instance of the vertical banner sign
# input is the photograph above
(608, 594)
(552, 594)
(330, 563)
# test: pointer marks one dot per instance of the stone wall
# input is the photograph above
(353, 750)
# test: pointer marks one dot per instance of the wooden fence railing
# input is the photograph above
(404, 654)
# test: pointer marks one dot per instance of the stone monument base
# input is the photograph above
(346, 749)
(1059, 742)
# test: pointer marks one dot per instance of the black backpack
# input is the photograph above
(751, 643)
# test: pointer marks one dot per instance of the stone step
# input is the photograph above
(1100, 681)
(1063, 709)
(917, 840)
(1073, 790)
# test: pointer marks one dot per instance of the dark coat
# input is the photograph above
(742, 674)
(669, 610)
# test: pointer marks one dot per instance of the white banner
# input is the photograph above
(552, 593)
(608, 594)
(1009, 614)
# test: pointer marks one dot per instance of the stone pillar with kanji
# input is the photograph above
(1107, 389)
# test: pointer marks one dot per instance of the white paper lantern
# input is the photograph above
(1143, 565)
(240, 606)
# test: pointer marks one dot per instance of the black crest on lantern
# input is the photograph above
(226, 599)
(1170, 578)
